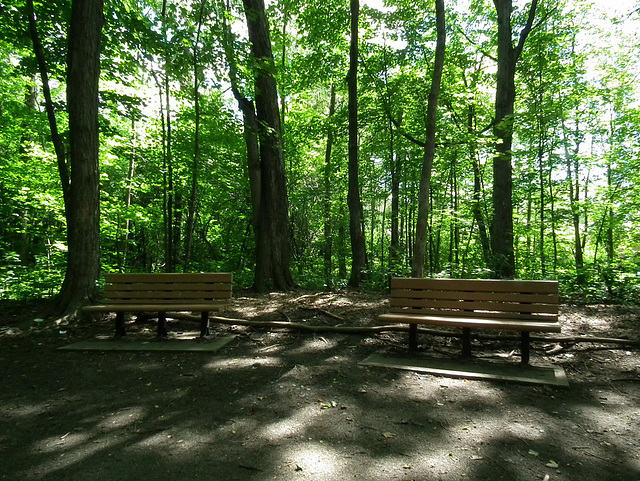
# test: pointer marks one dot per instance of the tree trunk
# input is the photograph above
(396, 166)
(419, 252)
(272, 253)
(195, 168)
(168, 187)
(502, 231)
(83, 219)
(478, 213)
(122, 261)
(328, 226)
(250, 123)
(356, 232)
(573, 169)
(58, 144)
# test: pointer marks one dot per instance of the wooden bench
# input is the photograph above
(202, 292)
(524, 306)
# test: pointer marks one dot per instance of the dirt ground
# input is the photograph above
(294, 405)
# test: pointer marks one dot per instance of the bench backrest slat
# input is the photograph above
(512, 299)
(169, 288)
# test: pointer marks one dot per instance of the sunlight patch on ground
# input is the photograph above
(314, 459)
(292, 425)
(174, 442)
(418, 465)
(124, 418)
(14, 411)
(68, 449)
(244, 363)
(314, 345)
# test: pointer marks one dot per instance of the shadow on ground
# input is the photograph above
(293, 406)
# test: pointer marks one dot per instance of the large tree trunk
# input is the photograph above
(272, 254)
(83, 214)
(508, 55)
(419, 253)
(358, 254)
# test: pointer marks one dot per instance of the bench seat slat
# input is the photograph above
(121, 287)
(170, 277)
(474, 323)
(458, 306)
(156, 307)
(476, 285)
(531, 316)
(185, 296)
(475, 296)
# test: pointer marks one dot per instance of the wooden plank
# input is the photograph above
(482, 285)
(475, 370)
(168, 295)
(166, 277)
(141, 286)
(474, 323)
(474, 296)
(551, 317)
(183, 345)
(473, 306)
(156, 307)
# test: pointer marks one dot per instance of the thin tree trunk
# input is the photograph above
(58, 144)
(128, 195)
(195, 169)
(478, 214)
(394, 247)
(417, 264)
(250, 124)
(328, 225)
(168, 161)
(573, 169)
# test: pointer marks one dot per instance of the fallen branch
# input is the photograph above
(397, 328)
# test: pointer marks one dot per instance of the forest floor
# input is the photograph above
(295, 405)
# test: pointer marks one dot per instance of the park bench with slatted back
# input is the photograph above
(513, 305)
(165, 292)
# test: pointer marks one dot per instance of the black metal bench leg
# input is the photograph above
(413, 337)
(204, 324)
(162, 325)
(120, 332)
(466, 343)
(524, 349)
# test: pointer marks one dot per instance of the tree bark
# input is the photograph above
(195, 168)
(169, 194)
(419, 253)
(328, 225)
(356, 232)
(250, 123)
(396, 169)
(58, 144)
(83, 214)
(273, 245)
(508, 55)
